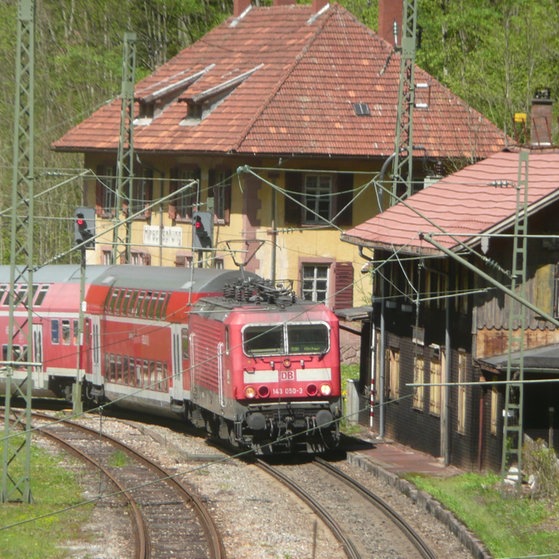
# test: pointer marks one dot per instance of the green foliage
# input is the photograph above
(350, 372)
(509, 527)
(492, 53)
(541, 465)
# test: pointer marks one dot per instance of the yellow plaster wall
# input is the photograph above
(294, 246)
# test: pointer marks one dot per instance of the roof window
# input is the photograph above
(361, 109)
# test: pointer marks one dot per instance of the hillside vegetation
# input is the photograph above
(492, 53)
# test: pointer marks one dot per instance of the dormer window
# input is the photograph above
(202, 104)
(147, 111)
(155, 99)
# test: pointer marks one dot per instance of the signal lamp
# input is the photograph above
(202, 230)
(84, 227)
(250, 393)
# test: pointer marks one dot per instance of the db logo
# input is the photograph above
(287, 375)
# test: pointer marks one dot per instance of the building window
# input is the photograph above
(556, 292)
(221, 186)
(494, 409)
(418, 378)
(461, 287)
(189, 199)
(435, 388)
(315, 283)
(317, 198)
(436, 287)
(142, 191)
(107, 257)
(106, 184)
(140, 258)
(183, 261)
(393, 362)
(461, 401)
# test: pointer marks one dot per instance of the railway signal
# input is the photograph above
(84, 227)
(202, 230)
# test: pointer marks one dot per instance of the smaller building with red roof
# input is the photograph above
(466, 272)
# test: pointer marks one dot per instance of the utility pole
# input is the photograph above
(402, 164)
(125, 163)
(16, 454)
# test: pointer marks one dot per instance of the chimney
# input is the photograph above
(540, 119)
(239, 6)
(390, 11)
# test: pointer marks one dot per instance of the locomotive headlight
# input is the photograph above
(250, 393)
(325, 389)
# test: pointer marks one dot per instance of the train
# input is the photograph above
(226, 351)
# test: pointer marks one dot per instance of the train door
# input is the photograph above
(193, 356)
(220, 379)
(40, 377)
(180, 344)
(95, 351)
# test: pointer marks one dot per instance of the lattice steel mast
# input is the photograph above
(402, 165)
(125, 159)
(16, 453)
(514, 389)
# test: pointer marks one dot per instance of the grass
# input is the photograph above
(118, 459)
(509, 525)
(36, 530)
(348, 372)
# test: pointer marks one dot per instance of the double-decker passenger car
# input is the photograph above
(55, 300)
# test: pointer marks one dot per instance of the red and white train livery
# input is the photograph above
(224, 349)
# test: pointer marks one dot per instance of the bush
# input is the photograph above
(542, 469)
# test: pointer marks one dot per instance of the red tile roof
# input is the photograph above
(306, 72)
(481, 198)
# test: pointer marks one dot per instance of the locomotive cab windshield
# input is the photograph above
(274, 339)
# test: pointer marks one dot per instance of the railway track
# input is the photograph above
(364, 524)
(167, 518)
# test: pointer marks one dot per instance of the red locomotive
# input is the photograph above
(265, 369)
(224, 349)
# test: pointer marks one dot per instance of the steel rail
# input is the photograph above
(348, 545)
(142, 545)
(413, 536)
(215, 543)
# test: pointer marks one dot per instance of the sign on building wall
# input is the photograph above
(166, 236)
